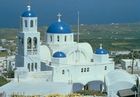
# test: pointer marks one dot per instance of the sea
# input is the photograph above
(91, 11)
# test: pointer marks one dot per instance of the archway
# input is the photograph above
(76, 56)
(77, 87)
(29, 43)
(96, 85)
(35, 43)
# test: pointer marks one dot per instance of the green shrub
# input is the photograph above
(3, 81)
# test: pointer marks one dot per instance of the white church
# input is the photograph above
(61, 65)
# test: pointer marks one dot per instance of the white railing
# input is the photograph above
(45, 74)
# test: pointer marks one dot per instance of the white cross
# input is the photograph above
(59, 17)
(29, 7)
(101, 46)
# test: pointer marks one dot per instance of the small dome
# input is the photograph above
(59, 55)
(101, 50)
(28, 13)
(59, 27)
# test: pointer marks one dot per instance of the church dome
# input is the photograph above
(59, 55)
(59, 27)
(101, 51)
(28, 13)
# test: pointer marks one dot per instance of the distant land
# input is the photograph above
(112, 36)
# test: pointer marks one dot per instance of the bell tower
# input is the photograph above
(28, 55)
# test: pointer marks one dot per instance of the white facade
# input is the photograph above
(7, 62)
(28, 56)
(127, 63)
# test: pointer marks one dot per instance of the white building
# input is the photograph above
(61, 56)
(7, 62)
(120, 52)
(119, 80)
(127, 64)
(2, 49)
(61, 62)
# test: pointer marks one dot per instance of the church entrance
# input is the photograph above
(94, 85)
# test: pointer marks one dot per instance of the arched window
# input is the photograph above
(35, 42)
(26, 23)
(22, 41)
(29, 43)
(65, 38)
(32, 67)
(36, 66)
(29, 67)
(51, 38)
(58, 38)
(31, 23)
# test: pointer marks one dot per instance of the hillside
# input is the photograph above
(113, 36)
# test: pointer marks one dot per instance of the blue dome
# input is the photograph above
(28, 14)
(101, 51)
(59, 28)
(59, 55)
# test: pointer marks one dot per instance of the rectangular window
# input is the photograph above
(87, 69)
(81, 69)
(29, 67)
(36, 66)
(92, 60)
(105, 67)
(65, 38)
(50, 63)
(32, 67)
(58, 38)
(63, 71)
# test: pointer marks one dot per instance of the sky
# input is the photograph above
(91, 11)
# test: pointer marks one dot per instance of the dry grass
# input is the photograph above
(51, 95)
